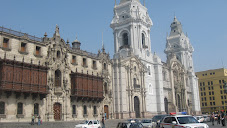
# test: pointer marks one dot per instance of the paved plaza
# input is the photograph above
(109, 124)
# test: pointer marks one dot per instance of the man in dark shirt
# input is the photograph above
(223, 118)
(103, 122)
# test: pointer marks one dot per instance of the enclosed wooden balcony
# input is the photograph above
(86, 87)
(22, 77)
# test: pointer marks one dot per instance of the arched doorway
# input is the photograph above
(57, 111)
(166, 105)
(137, 107)
(57, 78)
(179, 103)
(106, 110)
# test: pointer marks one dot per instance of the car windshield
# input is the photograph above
(146, 121)
(84, 122)
(156, 118)
(187, 120)
(136, 125)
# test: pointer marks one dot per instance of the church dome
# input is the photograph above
(76, 44)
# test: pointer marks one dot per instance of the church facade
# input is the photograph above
(50, 78)
(143, 84)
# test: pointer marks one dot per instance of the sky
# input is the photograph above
(205, 22)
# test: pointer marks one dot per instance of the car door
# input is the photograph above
(174, 125)
(167, 123)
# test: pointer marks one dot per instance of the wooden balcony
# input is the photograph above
(86, 87)
(22, 77)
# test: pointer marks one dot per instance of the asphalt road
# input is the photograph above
(215, 125)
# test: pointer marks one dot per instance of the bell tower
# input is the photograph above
(179, 44)
(131, 25)
(137, 72)
(179, 49)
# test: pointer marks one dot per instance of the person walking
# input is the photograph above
(219, 119)
(212, 118)
(33, 120)
(103, 122)
(223, 118)
(39, 120)
(105, 116)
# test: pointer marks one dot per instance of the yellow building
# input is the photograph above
(211, 90)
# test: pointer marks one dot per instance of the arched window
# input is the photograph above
(164, 75)
(179, 102)
(2, 107)
(166, 105)
(95, 110)
(134, 81)
(19, 108)
(143, 39)
(150, 89)
(85, 110)
(36, 109)
(105, 88)
(74, 110)
(104, 65)
(125, 39)
(58, 78)
(58, 54)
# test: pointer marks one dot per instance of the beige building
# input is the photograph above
(47, 77)
(211, 90)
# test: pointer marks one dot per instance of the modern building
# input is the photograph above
(211, 90)
(50, 77)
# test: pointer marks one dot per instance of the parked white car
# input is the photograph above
(206, 118)
(89, 124)
(147, 123)
(181, 121)
(200, 119)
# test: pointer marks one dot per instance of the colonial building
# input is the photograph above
(49, 77)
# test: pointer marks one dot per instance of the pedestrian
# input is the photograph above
(103, 122)
(212, 118)
(219, 119)
(33, 119)
(223, 118)
(39, 120)
(105, 116)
